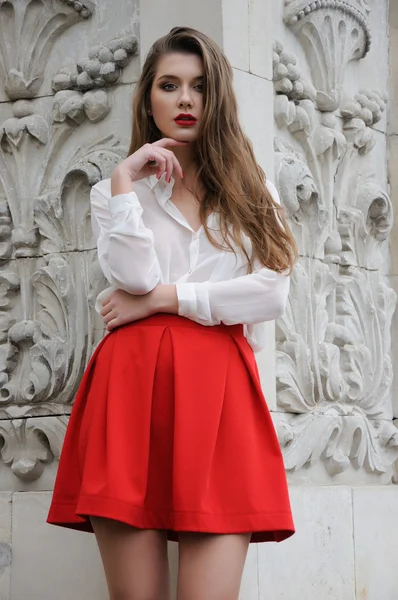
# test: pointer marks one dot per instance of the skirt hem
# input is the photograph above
(264, 527)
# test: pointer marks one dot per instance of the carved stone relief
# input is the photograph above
(334, 370)
(332, 32)
(22, 64)
(48, 271)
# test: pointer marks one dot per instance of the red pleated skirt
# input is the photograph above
(170, 430)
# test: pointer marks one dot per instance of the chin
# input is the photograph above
(181, 135)
(185, 137)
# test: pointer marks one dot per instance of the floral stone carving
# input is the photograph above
(49, 273)
(101, 68)
(28, 445)
(334, 369)
(333, 33)
(25, 48)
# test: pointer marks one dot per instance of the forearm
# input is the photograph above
(249, 299)
(163, 299)
(121, 182)
(120, 307)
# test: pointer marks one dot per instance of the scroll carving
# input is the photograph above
(28, 445)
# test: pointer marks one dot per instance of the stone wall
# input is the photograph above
(312, 88)
(392, 131)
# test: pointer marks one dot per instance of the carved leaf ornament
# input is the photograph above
(48, 270)
(334, 370)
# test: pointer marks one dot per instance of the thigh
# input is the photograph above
(135, 560)
(211, 566)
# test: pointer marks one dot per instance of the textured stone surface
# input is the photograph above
(393, 39)
(394, 338)
(50, 562)
(333, 342)
(5, 545)
(263, 18)
(321, 448)
(255, 107)
(236, 19)
(72, 43)
(376, 542)
(318, 561)
(30, 452)
(158, 17)
(53, 149)
(372, 72)
(393, 179)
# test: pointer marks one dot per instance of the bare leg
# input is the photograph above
(211, 566)
(135, 560)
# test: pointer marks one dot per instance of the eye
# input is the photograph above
(169, 87)
(199, 87)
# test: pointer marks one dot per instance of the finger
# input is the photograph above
(106, 308)
(172, 162)
(169, 164)
(161, 163)
(112, 324)
(164, 142)
(107, 299)
(108, 318)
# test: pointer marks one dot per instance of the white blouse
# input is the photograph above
(143, 240)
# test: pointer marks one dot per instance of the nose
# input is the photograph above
(185, 99)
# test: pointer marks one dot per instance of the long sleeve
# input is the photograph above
(125, 246)
(249, 299)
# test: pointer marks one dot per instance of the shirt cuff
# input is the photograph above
(122, 202)
(187, 301)
(193, 302)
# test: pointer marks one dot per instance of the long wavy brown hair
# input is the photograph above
(233, 183)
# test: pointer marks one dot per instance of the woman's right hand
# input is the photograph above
(162, 161)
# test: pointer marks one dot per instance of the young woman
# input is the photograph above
(170, 437)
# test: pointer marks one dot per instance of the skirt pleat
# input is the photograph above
(170, 430)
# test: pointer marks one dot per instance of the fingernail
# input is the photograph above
(158, 176)
(169, 179)
(182, 174)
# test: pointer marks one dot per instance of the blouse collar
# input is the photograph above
(160, 187)
(163, 191)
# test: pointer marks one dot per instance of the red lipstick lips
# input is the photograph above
(185, 120)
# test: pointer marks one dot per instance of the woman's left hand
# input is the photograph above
(121, 307)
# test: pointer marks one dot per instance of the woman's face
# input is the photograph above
(177, 96)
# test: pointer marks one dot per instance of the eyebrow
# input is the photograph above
(177, 78)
